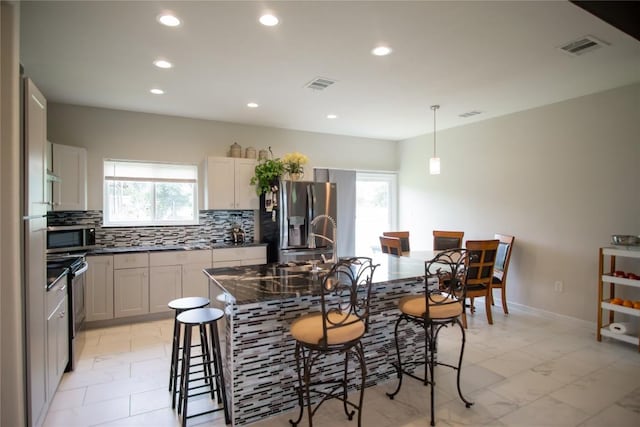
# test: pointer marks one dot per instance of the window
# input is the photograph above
(146, 193)
(376, 204)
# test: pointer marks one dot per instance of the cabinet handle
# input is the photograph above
(63, 314)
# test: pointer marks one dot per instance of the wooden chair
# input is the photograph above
(443, 240)
(404, 239)
(502, 266)
(391, 245)
(481, 261)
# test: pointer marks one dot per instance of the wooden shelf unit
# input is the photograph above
(606, 276)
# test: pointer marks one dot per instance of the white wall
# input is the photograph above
(129, 135)
(560, 178)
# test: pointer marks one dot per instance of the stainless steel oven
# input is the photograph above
(76, 266)
(66, 238)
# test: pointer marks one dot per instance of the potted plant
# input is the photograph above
(293, 165)
(267, 173)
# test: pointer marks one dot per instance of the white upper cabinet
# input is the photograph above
(69, 164)
(227, 185)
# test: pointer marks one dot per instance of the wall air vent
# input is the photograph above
(470, 113)
(320, 83)
(582, 45)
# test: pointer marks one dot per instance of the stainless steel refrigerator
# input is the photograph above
(302, 225)
(35, 241)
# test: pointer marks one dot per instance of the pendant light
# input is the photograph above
(434, 162)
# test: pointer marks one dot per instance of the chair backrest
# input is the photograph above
(504, 255)
(481, 261)
(449, 267)
(346, 293)
(391, 245)
(443, 240)
(403, 236)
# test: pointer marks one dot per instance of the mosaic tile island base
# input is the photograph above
(261, 302)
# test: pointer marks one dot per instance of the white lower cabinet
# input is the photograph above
(232, 257)
(135, 284)
(165, 284)
(130, 292)
(177, 274)
(130, 284)
(57, 336)
(194, 282)
(99, 292)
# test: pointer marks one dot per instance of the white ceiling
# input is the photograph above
(494, 57)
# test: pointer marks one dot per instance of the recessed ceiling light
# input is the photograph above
(381, 51)
(157, 91)
(252, 105)
(269, 20)
(168, 19)
(161, 63)
(332, 116)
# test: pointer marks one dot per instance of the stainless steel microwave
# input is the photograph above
(65, 238)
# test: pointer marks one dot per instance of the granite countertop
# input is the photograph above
(157, 248)
(250, 284)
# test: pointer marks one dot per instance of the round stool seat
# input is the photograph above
(188, 303)
(199, 316)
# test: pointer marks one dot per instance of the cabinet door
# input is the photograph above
(131, 292)
(246, 197)
(194, 282)
(220, 183)
(70, 165)
(57, 346)
(99, 297)
(165, 284)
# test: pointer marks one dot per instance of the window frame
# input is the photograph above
(391, 178)
(106, 222)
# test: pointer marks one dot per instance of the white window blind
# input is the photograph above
(149, 193)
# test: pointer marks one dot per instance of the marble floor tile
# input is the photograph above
(545, 411)
(528, 368)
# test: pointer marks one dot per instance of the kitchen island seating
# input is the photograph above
(443, 240)
(391, 245)
(337, 328)
(481, 261)
(432, 310)
(178, 306)
(211, 363)
(404, 239)
(502, 267)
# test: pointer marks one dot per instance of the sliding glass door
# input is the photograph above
(376, 207)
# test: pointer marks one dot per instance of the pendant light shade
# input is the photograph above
(434, 162)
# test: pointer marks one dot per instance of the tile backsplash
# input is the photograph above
(214, 226)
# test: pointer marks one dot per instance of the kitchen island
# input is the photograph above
(260, 303)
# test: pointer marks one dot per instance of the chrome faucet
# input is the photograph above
(312, 236)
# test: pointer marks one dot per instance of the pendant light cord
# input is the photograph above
(434, 108)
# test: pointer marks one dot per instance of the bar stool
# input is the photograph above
(436, 308)
(213, 371)
(180, 305)
(338, 327)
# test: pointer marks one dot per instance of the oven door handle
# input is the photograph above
(83, 269)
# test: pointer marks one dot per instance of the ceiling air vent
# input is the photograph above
(470, 113)
(583, 45)
(320, 83)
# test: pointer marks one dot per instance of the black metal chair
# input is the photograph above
(337, 328)
(438, 307)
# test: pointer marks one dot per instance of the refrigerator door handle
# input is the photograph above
(310, 210)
